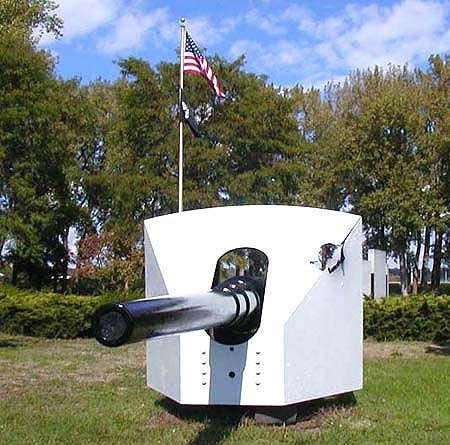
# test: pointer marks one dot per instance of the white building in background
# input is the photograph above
(375, 274)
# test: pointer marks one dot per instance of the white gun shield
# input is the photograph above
(309, 343)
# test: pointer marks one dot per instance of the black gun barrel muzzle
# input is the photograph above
(233, 307)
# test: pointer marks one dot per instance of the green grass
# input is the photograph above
(77, 392)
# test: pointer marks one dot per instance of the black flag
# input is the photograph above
(187, 115)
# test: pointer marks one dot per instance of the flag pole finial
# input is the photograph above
(182, 21)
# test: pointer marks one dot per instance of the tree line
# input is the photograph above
(100, 158)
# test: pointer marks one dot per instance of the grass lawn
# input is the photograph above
(77, 392)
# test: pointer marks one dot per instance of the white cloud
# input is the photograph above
(205, 32)
(356, 36)
(327, 53)
(331, 27)
(280, 54)
(169, 31)
(229, 24)
(407, 20)
(362, 36)
(113, 25)
(443, 45)
(266, 22)
(202, 30)
(286, 53)
(118, 25)
(82, 17)
(302, 17)
(131, 29)
(246, 47)
(295, 39)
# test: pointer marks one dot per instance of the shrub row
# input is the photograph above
(422, 317)
(45, 314)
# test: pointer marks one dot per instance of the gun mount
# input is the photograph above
(272, 331)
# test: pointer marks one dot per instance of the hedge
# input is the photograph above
(44, 314)
(422, 317)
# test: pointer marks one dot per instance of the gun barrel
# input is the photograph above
(233, 307)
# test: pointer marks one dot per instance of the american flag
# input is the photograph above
(196, 63)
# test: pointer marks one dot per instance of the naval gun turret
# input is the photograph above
(283, 329)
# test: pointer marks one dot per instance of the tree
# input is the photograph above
(37, 205)
(254, 160)
(257, 128)
(364, 155)
(389, 191)
(327, 145)
(435, 165)
(27, 20)
(100, 267)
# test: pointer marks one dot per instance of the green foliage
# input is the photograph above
(29, 19)
(39, 205)
(103, 157)
(45, 314)
(377, 145)
(421, 318)
(257, 126)
(134, 175)
(38, 173)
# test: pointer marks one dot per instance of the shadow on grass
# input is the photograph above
(10, 342)
(313, 414)
(314, 407)
(439, 348)
(220, 421)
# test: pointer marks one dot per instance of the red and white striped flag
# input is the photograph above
(196, 63)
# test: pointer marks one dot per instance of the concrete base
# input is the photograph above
(262, 415)
(276, 415)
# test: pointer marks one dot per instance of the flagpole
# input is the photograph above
(180, 152)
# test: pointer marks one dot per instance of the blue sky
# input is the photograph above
(292, 42)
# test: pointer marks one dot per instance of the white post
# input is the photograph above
(180, 152)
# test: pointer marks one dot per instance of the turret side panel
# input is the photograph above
(163, 366)
(154, 281)
(323, 338)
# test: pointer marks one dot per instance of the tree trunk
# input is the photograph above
(437, 260)
(426, 258)
(382, 238)
(404, 281)
(65, 261)
(415, 266)
(14, 274)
